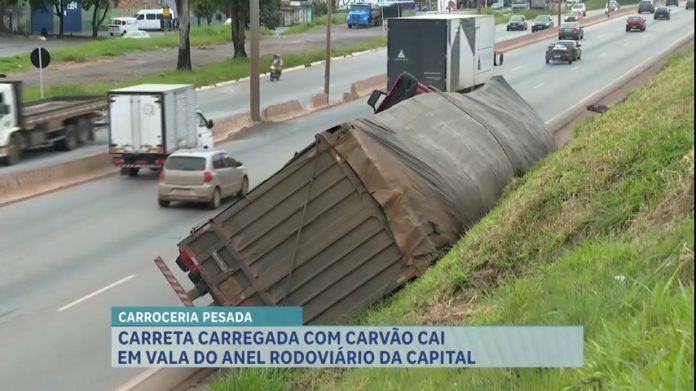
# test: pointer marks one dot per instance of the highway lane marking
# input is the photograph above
(538, 85)
(602, 55)
(625, 43)
(574, 68)
(516, 68)
(104, 289)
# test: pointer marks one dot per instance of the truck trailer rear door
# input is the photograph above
(136, 122)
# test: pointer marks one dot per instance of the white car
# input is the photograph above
(137, 34)
(579, 8)
(120, 26)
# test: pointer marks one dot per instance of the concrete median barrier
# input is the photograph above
(282, 111)
(527, 39)
(227, 126)
(365, 87)
(21, 185)
(318, 100)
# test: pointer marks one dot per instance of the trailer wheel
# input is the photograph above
(69, 141)
(85, 130)
(14, 151)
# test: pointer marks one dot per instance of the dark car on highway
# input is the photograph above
(571, 30)
(672, 2)
(564, 50)
(517, 22)
(572, 17)
(542, 22)
(635, 23)
(646, 6)
(689, 4)
(663, 13)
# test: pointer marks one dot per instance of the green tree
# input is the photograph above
(205, 9)
(239, 14)
(96, 19)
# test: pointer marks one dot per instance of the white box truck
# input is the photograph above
(148, 122)
(452, 52)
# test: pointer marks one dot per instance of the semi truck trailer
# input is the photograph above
(63, 123)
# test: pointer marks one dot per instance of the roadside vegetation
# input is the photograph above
(204, 75)
(599, 234)
(336, 19)
(110, 47)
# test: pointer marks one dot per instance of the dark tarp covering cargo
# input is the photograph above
(371, 204)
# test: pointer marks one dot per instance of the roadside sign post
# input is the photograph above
(40, 58)
(255, 93)
(327, 67)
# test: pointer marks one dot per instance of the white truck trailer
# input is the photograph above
(148, 122)
(452, 52)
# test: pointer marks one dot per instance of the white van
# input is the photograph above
(120, 26)
(151, 19)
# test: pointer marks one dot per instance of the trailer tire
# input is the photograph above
(69, 140)
(133, 171)
(14, 151)
(85, 130)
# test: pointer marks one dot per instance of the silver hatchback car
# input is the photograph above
(205, 176)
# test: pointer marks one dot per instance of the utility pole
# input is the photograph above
(255, 93)
(559, 12)
(327, 69)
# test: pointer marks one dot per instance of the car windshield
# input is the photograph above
(360, 7)
(516, 18)
(185, 163)
(542, 18)
(567, 44)
(115, 21)
(634, 19)
(577, 7)
(568, 25)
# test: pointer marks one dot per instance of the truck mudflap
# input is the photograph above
(174, 282)
(370, 205)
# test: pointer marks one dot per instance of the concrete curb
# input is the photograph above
(295, 68)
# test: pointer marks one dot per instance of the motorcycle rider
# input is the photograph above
(277, 62)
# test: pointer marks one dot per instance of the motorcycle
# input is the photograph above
(275, 72)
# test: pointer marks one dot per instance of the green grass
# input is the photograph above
(336, 19)
(91, 50)
(203, 75)
(618, 200)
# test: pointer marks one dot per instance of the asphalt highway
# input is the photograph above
(223, 101)
(69, 256)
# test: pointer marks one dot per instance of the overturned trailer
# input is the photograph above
(369, 205)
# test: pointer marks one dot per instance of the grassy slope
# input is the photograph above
(617, 201)
(202, 75)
